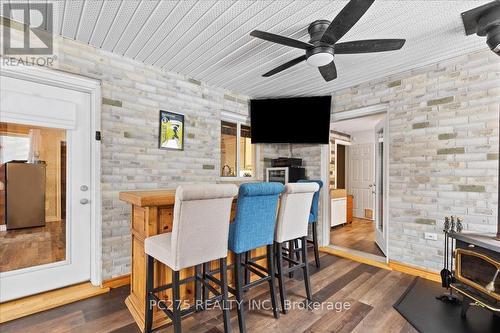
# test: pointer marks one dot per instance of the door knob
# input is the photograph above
(84, 201)
(84, 188)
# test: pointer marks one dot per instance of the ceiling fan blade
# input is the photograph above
(345, 20)
(369, 45)
(286, 65)
(280, 39)
(329, 72)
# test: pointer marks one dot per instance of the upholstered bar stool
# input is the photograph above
(293, 219)
(313, 218)
(199, 235)
(252, 228)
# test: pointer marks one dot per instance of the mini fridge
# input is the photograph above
(24, 194)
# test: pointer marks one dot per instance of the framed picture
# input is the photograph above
(171, 131)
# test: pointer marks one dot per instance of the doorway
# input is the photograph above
(358, 161)
(48, 186)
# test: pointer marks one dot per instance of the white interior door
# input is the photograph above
(43, 109)
(380, 188)
(361, 161)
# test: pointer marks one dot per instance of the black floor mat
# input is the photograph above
(428, 315)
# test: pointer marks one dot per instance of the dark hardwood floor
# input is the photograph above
(369, 292)
(358, 235)
(38, 246)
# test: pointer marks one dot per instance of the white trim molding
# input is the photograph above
(359, 112)
(93, 88)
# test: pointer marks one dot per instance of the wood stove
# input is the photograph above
(477, 267)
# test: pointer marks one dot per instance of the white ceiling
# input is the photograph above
(355, 125)
(209, 40)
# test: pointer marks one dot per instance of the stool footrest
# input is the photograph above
(169, 285)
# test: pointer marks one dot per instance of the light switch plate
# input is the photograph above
(431, 236)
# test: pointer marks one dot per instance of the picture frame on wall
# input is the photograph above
(171, 131)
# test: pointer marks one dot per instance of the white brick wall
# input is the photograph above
(443, 124)
(133, 93)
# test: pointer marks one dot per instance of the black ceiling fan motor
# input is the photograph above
(317, 29)
(485, 21)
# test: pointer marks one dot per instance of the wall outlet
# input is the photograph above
(431, 236)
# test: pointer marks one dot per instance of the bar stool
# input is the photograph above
(293, 219)
(253, 227)
(313, 218)
(199, 234)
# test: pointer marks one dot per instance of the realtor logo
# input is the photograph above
(37, 21)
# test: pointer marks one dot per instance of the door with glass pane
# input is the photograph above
(380, 188)
(45, 176)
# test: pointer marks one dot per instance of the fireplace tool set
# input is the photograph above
(451, 224)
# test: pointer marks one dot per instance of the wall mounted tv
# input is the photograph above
(291, 120)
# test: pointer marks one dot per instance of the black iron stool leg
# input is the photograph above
(315, 243)
(197, 288)
(247, 272)
(291, 254)
(297, 253)
(238, 275)
(272, 285)
(206, 271)
(306, 269)
(148, 318)
(176, 302)
(281, 282)
(225, 304)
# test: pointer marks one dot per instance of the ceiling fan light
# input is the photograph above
(320, 59)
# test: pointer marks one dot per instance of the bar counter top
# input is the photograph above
(144, 198)
(152, 214)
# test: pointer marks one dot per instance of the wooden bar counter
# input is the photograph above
(152, 214)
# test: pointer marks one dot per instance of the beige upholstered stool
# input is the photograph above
(293, 219)
(199, 235)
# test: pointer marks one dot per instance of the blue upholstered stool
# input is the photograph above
(253, 227)
(313, 218)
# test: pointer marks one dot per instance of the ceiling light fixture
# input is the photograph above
(320, 59)
(319, 56)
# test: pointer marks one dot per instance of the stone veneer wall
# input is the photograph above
(132, 95)
(443, 124)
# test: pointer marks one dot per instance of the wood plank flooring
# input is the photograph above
(355, 298)
(358, 235)
(38, 246)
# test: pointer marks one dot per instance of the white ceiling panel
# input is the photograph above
(106, 18)
(172, 20)
(71, 18)
(209, 22)
(91, 11)
(120, 23)
(153, 23)
(209, 40)
(143, 13)
(189, 21)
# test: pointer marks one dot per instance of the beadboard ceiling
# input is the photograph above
(209, 40)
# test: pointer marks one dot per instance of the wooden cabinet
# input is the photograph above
(350, 199)
(152, 214)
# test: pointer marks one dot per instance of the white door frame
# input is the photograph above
(384, 125)
(325, 166)
(93, 88)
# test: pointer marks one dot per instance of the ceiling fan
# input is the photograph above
(324, 37)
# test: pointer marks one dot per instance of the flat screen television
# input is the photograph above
(291, 120)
